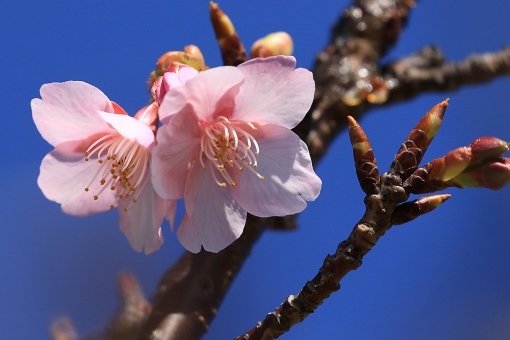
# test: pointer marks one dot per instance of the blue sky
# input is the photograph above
(444, 276)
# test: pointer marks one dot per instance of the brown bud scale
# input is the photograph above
(409, 211)
(364, 159)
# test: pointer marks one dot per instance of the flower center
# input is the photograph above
(227, 145)
(124, 167)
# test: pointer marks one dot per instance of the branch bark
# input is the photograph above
(349, 81)
(427, 70)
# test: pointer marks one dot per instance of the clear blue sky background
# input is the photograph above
(444, 276)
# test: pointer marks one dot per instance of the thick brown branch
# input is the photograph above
(427, 71)
(192, 290)
(347, 72)
(129, 319)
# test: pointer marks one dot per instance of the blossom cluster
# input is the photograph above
(219, 138)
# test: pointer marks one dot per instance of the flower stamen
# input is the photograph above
(125, 168)
(220, 144)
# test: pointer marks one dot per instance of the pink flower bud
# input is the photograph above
(176, 75)
(487, 148)
(493, 176)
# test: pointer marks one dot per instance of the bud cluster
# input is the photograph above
(478, 165)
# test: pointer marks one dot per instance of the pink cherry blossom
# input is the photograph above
(101, 159)
(227, 148)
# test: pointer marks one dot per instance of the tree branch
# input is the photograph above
(383, 195)
(426, 70)
(349, 81)
(191, 292)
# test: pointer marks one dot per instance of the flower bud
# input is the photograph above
(194, 58)
(456, 161)
(409, 211)
(493, 176)
(452, 164)
(232, 49)
(176, 75)
(486, 149)
(411, 152)
(191, 56)
(364, 159)
(279, 43)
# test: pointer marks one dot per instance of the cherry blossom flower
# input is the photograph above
(227, 148)
(101, 159)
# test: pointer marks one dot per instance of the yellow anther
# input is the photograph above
(223, 185)
(234, 184)
(261, 178)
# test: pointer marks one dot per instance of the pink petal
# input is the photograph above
(64, 176)
(68, 111)
(171, 80)
(185, 73)
(217, 216)
(130, 128)
(289, 180)
(178, 145)
(274, 92)
(141, 223)
(188, 235)
(206, 94)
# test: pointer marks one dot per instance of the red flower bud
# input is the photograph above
(493, 176)
(487, 148)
